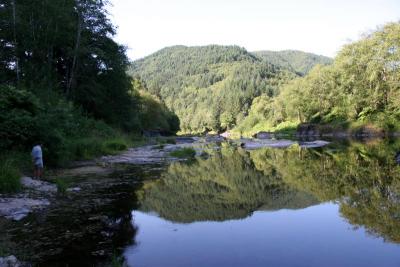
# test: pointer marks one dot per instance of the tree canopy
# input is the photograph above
(210, 87)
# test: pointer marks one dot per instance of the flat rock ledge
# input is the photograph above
(12, 261)
(17, 208)
(38, 185)
(149, 154)
(257, 143)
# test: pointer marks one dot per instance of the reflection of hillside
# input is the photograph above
(224, 186)
(364, 178)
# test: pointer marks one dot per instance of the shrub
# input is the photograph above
(115, 145)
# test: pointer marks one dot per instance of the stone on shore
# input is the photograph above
(17, 208)
(38, 185)
(12, 261)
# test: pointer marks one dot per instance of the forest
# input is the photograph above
(63, 83)
(217, 88)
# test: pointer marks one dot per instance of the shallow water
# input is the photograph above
(333, 206)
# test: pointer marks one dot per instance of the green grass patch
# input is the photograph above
(115, 145)
(165, 140)
(88, 148)
(62, 186)
(10, 178)
(186, 152)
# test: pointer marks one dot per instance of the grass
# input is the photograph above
(165, 140)
(88, 148)
(10, 178)
(61, 186)
(186, 152)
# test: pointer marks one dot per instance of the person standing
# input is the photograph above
(37, 159)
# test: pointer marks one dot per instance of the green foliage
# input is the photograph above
(362, 84)
(9, 177)
(68, 49)
(153, 114)
(63, 83)
(209, 88)
(115, 145)
(186, 152)
(296, 61)
(19, 110)
(62, 186)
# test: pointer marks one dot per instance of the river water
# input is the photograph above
(338, 205)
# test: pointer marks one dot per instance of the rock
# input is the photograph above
(12, 261)
(214, 138)
(18, 208)
(256, 143)
(308, 129)
(98, 253)
(38, 185)
(225, 134)
(185, 140)
(74, 189)
(264, 135)
(314, 144)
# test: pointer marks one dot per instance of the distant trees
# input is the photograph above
(211, 87)
(297, 61)
(363, 85)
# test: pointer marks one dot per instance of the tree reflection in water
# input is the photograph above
(232, 183)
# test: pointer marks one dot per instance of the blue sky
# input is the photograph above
(318, 26)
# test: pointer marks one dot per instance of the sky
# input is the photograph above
(317, 26)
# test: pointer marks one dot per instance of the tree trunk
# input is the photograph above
(71, 80)
(15, 40)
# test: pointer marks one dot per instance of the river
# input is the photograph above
(337, 205)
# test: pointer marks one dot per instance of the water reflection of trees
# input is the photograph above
(364, 178)
(224, 186)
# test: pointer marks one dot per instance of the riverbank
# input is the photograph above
(350, 130)
(34, 195)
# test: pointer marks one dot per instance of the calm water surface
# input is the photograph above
(332, 206)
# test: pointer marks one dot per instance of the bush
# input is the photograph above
(10, 179)
(85, 148)
(115, 145)
(186, 152)
(18, 112)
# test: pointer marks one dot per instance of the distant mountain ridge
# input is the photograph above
(211, 87)
(294, 60)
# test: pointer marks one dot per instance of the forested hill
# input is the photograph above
(209, 87)
(297, 61)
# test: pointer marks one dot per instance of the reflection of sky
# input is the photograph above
(315, 236)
